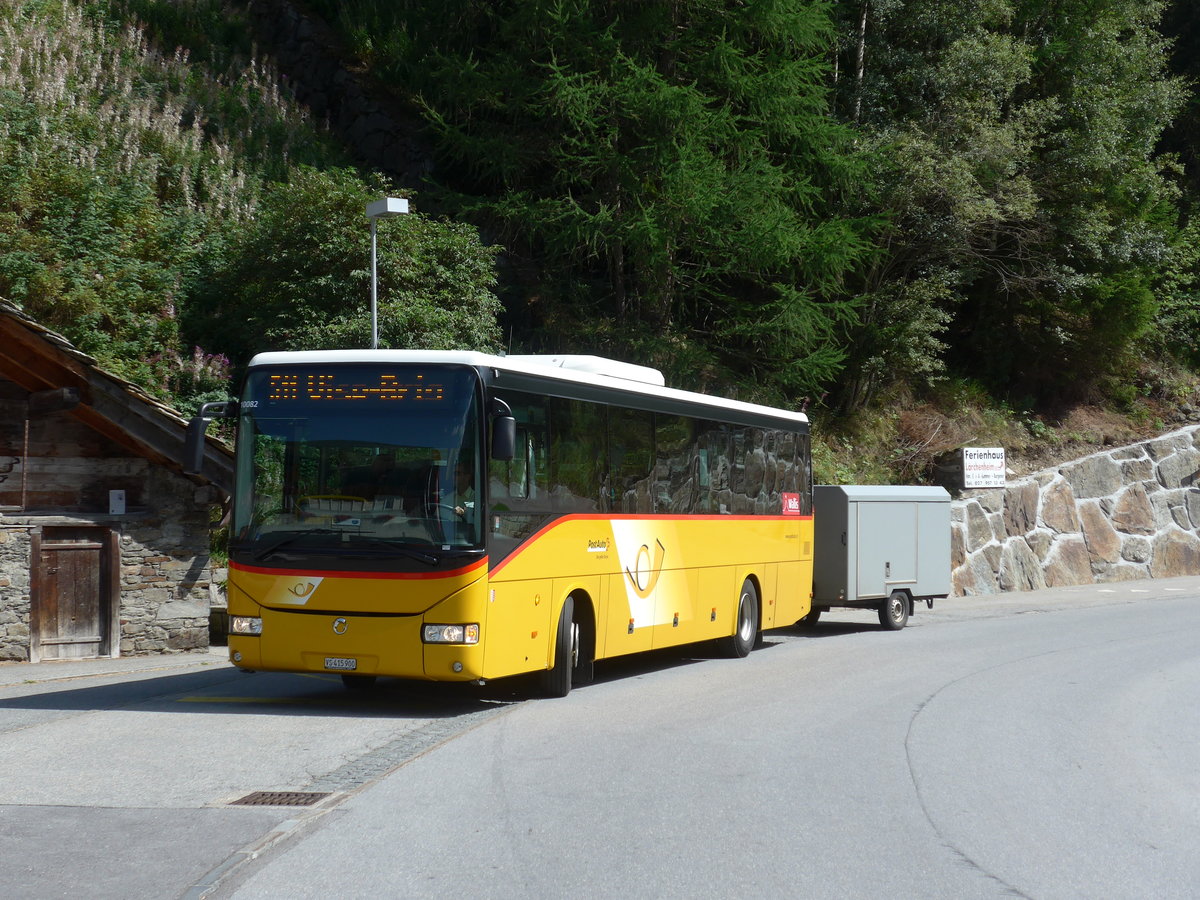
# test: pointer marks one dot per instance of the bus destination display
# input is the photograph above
(334, 388)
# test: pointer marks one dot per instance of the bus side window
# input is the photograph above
(714, 451)
(756, 472)
(507, 477)
(577, 430)
(524, 476)
(803, 468)
(630, 465)
(677, 465)
(788, 469)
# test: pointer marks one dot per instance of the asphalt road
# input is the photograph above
(121, 778)
(1038, 745)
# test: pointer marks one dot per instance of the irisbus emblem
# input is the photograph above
(340, 625)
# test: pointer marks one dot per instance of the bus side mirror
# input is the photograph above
(193, 448)
(504, 437)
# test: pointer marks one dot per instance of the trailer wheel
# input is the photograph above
(893, 612)
(742, 641)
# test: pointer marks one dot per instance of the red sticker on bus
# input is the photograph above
(791, 504)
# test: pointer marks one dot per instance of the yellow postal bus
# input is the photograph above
(458, 516)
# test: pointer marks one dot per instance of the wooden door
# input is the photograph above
(74, 591)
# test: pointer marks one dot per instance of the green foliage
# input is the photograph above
(1103, 192)
(1018, 173)
(669, 165)
(112, 175)
(1176, 331)
(1181, 27)
(131, 181)
(720, 190)
(298, 276)
(213, 32)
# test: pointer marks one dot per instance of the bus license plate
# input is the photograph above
(340, 663)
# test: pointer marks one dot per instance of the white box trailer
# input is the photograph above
(880, 547)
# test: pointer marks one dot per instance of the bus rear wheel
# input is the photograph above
(741, 642)
(893, 612)
(556, 681)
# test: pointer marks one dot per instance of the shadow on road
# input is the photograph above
(674, 657)
(827, 629)
(231, 692)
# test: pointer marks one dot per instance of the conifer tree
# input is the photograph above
(670, 164)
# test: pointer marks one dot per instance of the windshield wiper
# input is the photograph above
(289, 538)
(379, 546)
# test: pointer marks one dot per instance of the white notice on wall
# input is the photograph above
(983, 467)
(116, 503)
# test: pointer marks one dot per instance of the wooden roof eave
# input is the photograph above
(148, 432)
(38, 359)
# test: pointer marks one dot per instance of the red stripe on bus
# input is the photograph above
(330, 573)
(603, 517)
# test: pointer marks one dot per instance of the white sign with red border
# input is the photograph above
(983, 467)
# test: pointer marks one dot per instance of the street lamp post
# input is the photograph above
(380, 209)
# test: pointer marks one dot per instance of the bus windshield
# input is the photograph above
(366, 462)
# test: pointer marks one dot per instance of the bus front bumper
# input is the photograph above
(351, 644)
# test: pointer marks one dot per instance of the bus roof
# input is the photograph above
(600, 375)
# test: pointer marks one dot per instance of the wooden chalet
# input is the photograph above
(103, 540)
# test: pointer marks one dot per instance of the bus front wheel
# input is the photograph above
(741, 642)
(556, 681)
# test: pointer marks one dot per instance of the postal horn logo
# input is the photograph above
(646, 569)
(302, 588)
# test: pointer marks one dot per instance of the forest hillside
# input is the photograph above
(928, 222)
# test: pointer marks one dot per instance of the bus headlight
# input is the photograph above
(245, 625)
(451, 634)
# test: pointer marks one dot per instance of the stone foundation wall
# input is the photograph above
(1119, 515)
(165, 577)
(165, 574)
(14, 594)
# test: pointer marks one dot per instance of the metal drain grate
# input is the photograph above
(280, 798)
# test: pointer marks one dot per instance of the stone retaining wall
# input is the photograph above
(1119, 515)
